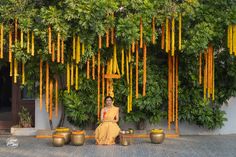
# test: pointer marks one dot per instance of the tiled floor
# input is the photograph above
(184, 146)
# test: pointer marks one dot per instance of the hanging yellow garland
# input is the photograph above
(10, 46)
(23, 74)
(210, 71)
(136, 71)
(173, 89)
(133, 46)
(141, 33)
(200, 68)
(117, 69)
(129, 55)
(21, 38)
(213, 80)
(112, 31)
(131, 87)
(72, 74)
(127, 68)
(128, 102)
(56, 97)
(62, 51)
(144, 69)
(230, 39)
(99, 41)
(162, 36)
(176, 94)
(78, 50)
(107, 38)
(87, 70)
(122, 62)
(103, 85)
(53, 51)
(15, 61)
(167, 35)
(32, 48)
(153, 31)
(205, 76)
(173, 37)
(76, 77)
(47, 86)
(234, 40)
(15, 70)
(170, 101)
(114, 58)
(68, 77)
(180, 31)
(41, 84)
(58, 47)
(50, 99)
(82, 48)
(98, 99)
(2, 41)
(11, 66)
(93, 67)
(49, 40)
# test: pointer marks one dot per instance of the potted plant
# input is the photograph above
(24, 128)
(25, 118)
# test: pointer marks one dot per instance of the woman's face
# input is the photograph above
(108, 102)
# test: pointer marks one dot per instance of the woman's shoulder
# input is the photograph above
(115, 107)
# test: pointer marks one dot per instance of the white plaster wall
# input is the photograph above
(230, 125)
(228, 128)
(42, 117)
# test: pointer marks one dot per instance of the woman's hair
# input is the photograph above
(108, 97)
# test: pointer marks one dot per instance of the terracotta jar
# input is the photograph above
(77, 138)
(65, 132)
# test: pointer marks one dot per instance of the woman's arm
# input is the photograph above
(117, 116)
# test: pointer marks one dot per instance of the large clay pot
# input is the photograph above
(157, 137)
(77, 138)
(58, 140)
(65, 132)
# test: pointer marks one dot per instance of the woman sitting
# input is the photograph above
(108, 130)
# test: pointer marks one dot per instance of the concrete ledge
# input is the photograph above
(23, 131)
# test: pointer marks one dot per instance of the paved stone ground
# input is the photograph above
(184, 146)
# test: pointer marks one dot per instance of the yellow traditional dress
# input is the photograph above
(107, 131)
